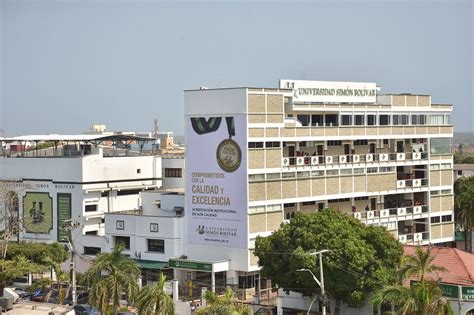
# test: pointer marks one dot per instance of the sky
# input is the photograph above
(67, 64)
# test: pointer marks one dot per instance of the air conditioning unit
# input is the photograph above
(383, 157)
(357, 215)
(418, 237)
(402, 239)
(416, 156)
(417, 183)
(370, 214)
(300, 161)
(417, 210)
(401, 184)
(342, 159)
(356, 158)
(384, 213)
(401, 211)
(285, 161)
(369, 158)
(400, 156)
(314, 160)
(329, 159)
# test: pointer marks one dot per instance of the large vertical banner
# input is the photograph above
(216, 177)
(64, 215)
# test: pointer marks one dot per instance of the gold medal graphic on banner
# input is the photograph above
(228, 152)
(229, 155)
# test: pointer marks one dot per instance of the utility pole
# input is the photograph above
(320, 283)
(71, 226)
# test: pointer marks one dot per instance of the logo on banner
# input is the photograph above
(228, 153)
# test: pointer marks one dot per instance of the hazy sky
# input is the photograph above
(68, 64)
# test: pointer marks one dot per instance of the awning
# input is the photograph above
(151, 264)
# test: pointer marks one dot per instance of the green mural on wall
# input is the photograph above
(37, 212)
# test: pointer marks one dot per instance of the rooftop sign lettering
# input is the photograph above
(331, 92)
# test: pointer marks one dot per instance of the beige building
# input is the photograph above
(383, 159)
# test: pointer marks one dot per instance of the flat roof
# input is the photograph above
(72, 138)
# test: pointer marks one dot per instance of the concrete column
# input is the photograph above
(279, 306)
(232, 277)
(175, 290)
(203, 294)
(213, 281)
(140, 282)
(30, 278)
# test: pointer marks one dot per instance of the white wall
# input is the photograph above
(58, 169)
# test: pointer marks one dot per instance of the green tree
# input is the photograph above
(424, 297)
(223, 305)
(363, 258)
(464, 207)
(11, 269)
(153, 299)
(111, 275)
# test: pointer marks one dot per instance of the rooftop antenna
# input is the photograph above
(156, 128)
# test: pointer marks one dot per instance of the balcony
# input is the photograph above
(347, 159)
(391, 214)
(414, 238)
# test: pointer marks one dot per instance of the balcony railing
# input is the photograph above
(413, 238)
(315, 160)
(402, 213)
(412, 183)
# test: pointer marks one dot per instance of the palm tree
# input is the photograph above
(223, 305)
(464, 207)
(424, 297)
(153, 299)
(110, 275)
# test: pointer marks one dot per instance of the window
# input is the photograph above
(90, 208)
(255, 145)
(302, 174)
(384, 120)
(289, 205)
(273, 176)
(395, 120)
(157, 246)
(257, 209)
(334, 142)
(124, 240)
(256, 177)
(359, 170)
(309, 203)
(91, 232)
(91, 250)
(274, 144)
(275, 207)
(440, 146)
(385, 141)
(288, 175)
(120, 225)
(446, 166)
(371, 120)
(434, 167)
(154, 227)
(346, 171)
(104, 193)
(316, 120)
(304, 119)
(128, 192)
(360, 142)
(174, 172)
(436, 119)
(361, 198)
(386, 169)
(332, 172)
(371, 170)
(446, 218)
(435, 220)
(246, 282)
(139, 171)
(317, 173)
(404, 120)
(434, 192)
(359, 120)
(446, 192)
(331, 120)
(346, 120)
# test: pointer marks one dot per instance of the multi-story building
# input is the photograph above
(74, 178)
(257, 156)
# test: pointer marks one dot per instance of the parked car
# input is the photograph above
(39, 295)
(85, 309)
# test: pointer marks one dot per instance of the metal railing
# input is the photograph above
(391, 212)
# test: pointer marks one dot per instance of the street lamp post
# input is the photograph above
(321, 275)
(70, 226)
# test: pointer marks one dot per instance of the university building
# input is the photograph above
(257, 156)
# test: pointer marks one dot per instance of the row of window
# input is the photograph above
(267, 208)
(153, 245)
(320, 173)
(443, 218)
(442, 166)
(374, 119)
(441, 192)
(268, 144)
(174, 172)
